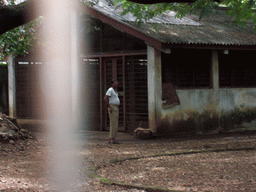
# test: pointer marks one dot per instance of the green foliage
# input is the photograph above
(143, 13)
(20, 39)
(205, 7)
(243, 11)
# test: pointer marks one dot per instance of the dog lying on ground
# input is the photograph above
(142, 133)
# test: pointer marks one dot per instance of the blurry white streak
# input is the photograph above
(75, 75)
(57, 83)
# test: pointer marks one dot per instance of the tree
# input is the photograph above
(20, 39)
(242, 10)
(17, 41)
(164, 1)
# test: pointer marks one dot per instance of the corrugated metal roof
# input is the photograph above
(167, 18)
(208, 33)
(218, 29)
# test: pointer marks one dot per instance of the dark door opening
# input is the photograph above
(131, 73)
(4, 107)
(114, 70)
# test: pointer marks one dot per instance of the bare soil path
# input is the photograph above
(180, 164)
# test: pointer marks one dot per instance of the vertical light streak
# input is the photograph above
(60, 85)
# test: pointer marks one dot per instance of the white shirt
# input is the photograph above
(113, 96)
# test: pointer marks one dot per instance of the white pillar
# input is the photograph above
(75, 75)
(154, 86)
(11, 86)
(58, 82)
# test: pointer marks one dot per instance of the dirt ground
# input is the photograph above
(224, 162)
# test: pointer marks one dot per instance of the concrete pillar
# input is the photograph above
(215, 83)
(12, 86)
(215, 70)
(154, 86)
(215, 76)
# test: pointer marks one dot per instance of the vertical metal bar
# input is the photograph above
(101, 94)
(177, 77)
(232, 77)
(194, 77)
(124, 95)
(104, 90)
(101, 37)
(114, 68)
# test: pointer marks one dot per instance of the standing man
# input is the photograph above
(112, 101)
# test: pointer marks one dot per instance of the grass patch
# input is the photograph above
(105, 180)
(114, 160)
(92, 175)
(181, 153)
(143, 187)
(153, 188)
(93, 168)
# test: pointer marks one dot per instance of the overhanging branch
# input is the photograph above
(12, 16)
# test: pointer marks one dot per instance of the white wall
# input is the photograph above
(204, 107)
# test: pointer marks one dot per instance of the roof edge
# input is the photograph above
(122, 26)
(208, 46)
(157, 43)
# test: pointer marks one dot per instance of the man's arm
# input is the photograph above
(107, 102)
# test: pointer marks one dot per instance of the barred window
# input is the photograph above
(187, 68)
(237, 69)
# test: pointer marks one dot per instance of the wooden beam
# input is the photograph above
(114, 54)
(101, 95)
(124, 90)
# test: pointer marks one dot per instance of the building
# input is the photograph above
(176, 75)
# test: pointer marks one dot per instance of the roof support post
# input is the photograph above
(215, 82)
(154, 86)
(215, 75)
(11, 86)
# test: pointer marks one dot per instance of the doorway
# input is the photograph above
(114, 69)
(131, 73)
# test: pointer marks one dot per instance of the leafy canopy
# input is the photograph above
(21, 39)
(242, 10)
